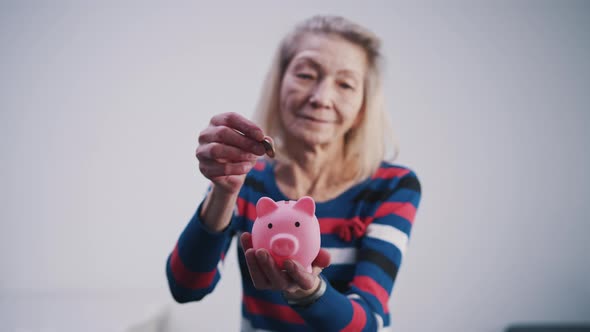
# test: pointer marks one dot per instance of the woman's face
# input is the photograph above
(322, 89)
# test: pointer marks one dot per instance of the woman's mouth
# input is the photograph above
(314, 119)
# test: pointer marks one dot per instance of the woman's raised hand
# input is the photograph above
(228, 149)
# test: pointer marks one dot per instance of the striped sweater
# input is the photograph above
(365, 229)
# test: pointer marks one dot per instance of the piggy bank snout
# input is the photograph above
(284, 244)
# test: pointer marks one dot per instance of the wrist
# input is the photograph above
(307, 299)
(221, 193)
(217, 209)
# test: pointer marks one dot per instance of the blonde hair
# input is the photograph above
(367, 143)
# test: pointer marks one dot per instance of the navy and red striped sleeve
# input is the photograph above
(193, 267)
(365, 306)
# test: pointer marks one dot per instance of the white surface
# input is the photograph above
(100, 107)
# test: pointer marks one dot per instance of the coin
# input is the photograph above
(269, 146)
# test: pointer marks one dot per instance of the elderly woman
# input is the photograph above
(322, 104)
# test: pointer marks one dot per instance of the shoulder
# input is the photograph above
(395, 176)
(395, 192)
(390, 187)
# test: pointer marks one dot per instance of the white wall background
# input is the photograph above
(101, 104)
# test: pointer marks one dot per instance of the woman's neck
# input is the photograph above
(313, 171)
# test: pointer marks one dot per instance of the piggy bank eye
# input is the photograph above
(297, 224)
(269, 226)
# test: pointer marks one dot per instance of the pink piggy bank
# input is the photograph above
(288, 230)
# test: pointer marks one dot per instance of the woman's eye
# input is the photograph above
(305, 76)
(347, 86)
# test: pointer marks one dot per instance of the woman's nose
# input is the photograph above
(321, 96)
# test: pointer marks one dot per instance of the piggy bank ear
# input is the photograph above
(265, 206)
(305, 204)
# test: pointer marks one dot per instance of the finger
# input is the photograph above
(246, 241)
(302, 278)
(223, 152)
(322, 259)
(278, 279)
(213, 169)
(258, 277)
(240, 123)
(229, 136)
